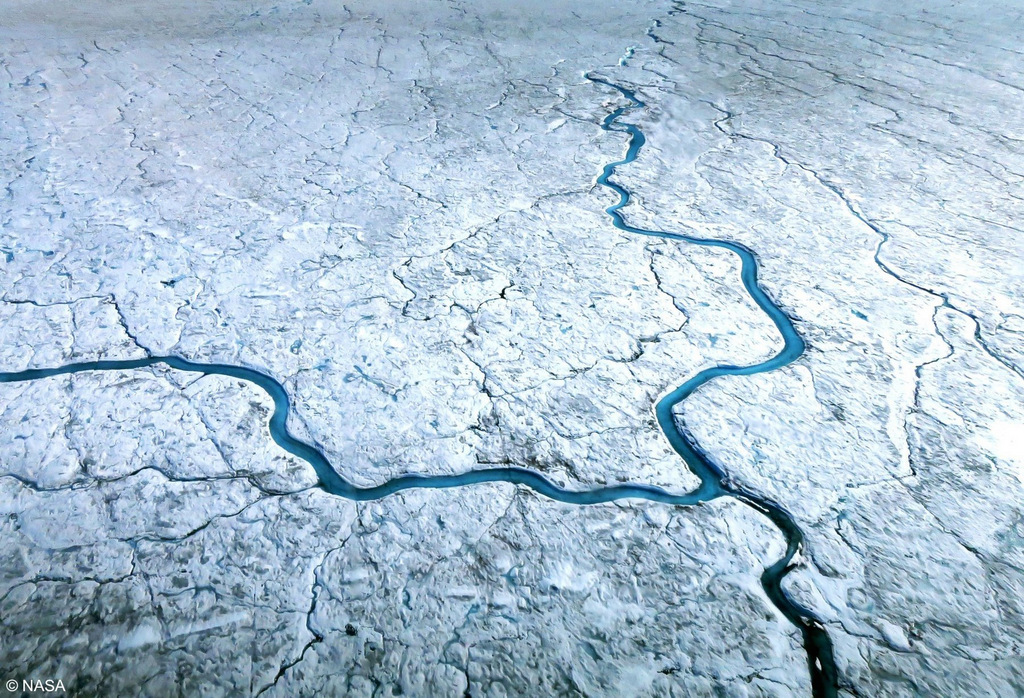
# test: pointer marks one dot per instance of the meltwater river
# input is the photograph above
(715, 483)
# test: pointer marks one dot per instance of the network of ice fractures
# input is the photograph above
(423, 261)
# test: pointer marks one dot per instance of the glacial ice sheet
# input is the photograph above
(391, 209)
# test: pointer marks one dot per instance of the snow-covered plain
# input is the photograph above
(391, 208)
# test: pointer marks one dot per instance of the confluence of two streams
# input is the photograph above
(715, 483)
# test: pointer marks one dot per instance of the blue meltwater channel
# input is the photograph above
(714, 482)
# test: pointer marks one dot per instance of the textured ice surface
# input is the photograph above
(390, 207)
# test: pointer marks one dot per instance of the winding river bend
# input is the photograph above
(715, 483)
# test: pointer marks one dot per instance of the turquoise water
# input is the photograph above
(714, 481)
